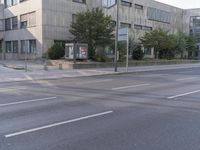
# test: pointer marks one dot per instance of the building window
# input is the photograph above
(79, 1)
(146, 28)
(28, 46)
(138, 27)
(1, 25)
(11, 23)
(108, 3)
(8, 24)
(11, 46)
(22, 1)
(28, 20)
(14, 23)
(32, 46)
(137, 6)
(126, 3)
(9, 3)
(24, 46)
(15, 46)
(147, 51)
(14, 2)
(8, 47)
(158, 15)
(125, 25)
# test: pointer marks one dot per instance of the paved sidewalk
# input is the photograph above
(37, 72)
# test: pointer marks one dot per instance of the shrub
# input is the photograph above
(100, 55)
(166, 54)
(56, 51)
(137, 53)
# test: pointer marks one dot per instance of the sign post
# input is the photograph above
(123, 36)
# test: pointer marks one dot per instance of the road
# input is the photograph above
(157, 110)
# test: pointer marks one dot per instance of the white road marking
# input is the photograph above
(131, 86)
(11, 89)
(95, 81)
(7, 90)
(184, 94)
(57, 124)
(184, 79)
(28, 101)
(186, 72)
(28, 77)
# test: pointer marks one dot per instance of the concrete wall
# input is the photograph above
(28, 33)
(57, 18)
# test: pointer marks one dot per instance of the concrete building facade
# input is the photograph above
(33, 26)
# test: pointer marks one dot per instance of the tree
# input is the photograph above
(94, 28)
(159, 40)
(180, 43)
(184, 44)
(190, 46)
(137, 53)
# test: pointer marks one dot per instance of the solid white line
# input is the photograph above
(56, 124)
(184, 94)
(28, 101)
(184, 79)
(131, 86)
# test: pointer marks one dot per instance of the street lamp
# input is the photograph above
(116, 36)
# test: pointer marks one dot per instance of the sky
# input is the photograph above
(185, 4)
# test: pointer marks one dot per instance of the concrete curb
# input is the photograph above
(101, 74)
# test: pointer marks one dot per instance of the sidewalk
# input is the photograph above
(36, 71)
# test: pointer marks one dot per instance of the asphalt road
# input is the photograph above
(158, 110)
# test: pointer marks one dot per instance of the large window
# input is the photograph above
(195, 27)
(28, 20)
(14, 23)
(15, 46)
(1, 24)
(8, 24)
(11, 23)
(9, 3)
(108, 3)
(32, 46)
(24, 46)
(158, 15)
(28, 46)
(8, 47)
(11, 46)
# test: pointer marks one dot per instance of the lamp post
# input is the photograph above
(116, 36)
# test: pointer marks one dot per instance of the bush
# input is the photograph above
(166, 54)
(137, 53)
(100, 55)
(56, 51)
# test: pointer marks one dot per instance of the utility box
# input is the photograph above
(76, 51)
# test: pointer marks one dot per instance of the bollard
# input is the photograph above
(45, 67)
(60, 67)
